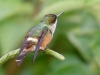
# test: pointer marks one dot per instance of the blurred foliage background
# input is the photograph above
(77, 36)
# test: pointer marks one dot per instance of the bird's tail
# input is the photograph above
(20, 57)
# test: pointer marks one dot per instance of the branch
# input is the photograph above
(13, 53)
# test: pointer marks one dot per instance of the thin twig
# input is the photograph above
(12, 54)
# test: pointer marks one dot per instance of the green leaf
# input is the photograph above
(71, 66)
(13, 7)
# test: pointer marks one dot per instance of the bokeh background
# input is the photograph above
(77, 36)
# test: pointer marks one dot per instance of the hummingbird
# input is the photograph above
(38, 37)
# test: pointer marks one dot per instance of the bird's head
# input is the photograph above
(50, 19)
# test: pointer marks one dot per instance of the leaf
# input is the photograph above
(13, 7)
(82, 36)
(63, 6)
(71, 66)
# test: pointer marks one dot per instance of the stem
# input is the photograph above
(13, 53)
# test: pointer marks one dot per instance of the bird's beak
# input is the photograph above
(60, 14)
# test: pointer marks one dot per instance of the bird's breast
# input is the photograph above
(46, 40)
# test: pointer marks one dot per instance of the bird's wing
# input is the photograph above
(25, 47)
(29, 33)
(40, 38)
